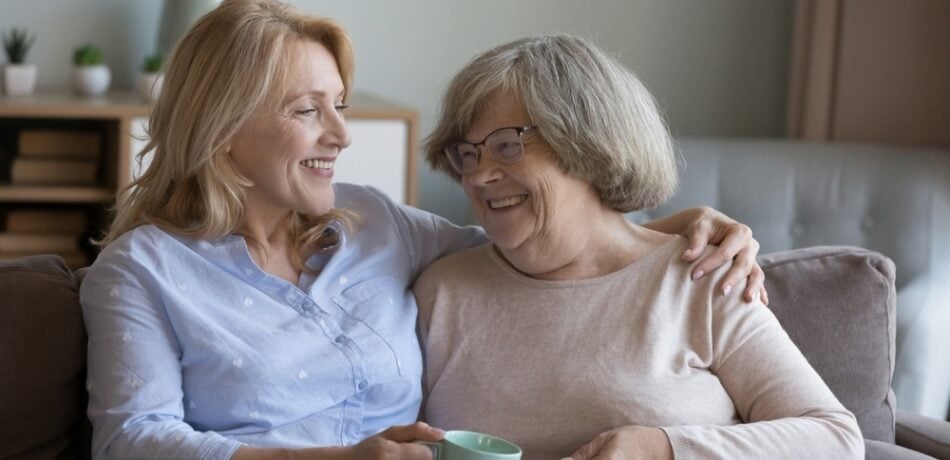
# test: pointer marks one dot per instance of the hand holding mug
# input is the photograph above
(398, 442)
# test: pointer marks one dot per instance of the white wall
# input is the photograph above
(718, 67)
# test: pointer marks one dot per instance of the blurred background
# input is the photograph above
(718, 68)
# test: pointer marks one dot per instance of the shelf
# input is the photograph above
(63, 104)
(54, 194)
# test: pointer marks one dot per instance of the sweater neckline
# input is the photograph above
(661, 251)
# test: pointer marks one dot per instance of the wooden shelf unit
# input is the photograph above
(382, 153)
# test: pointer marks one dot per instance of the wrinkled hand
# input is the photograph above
(396, 443)
(736, 244)
(627, 443)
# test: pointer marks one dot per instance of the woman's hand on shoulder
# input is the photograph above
(735, 243)
(634, 441)
(396, 443)
(704, 226)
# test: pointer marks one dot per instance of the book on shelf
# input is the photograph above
(73, 259)
(38, 243)
(71, 221)
(53, 171)
(59, 143)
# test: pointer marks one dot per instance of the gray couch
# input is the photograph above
(837, 304)
(892, 200)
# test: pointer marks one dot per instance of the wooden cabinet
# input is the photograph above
(381, 155)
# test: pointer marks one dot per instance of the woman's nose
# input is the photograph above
(487, 170)
(336, 132)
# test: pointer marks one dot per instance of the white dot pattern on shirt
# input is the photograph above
(192, 405)
(114, 293)
(248, 271)
(254, 414)
(248, 302)
(344, 280)
(302, 375)
(182, 287)
(126, 337)
(238, 362)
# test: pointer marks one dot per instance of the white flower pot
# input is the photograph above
(91, 80)
(19, 79)
(150, 85)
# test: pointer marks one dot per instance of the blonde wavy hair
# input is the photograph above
(233, 62)
(600, 122)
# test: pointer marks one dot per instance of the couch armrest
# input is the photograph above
(880, 450)
(923, 434)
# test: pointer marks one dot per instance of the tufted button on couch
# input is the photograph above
(888, 199)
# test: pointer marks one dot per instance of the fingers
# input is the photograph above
(415, 451)
(591, 450)
(743, 266)
(418, 431)
(738, 244)
(698, 239)
(379, 448)
(755, 289)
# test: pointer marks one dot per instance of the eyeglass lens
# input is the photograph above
(505, 146)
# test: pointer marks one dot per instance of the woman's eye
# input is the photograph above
(341, 107)
(307, 112)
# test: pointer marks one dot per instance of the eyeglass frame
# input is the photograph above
(521, 130)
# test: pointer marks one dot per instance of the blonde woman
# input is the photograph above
(242, 305)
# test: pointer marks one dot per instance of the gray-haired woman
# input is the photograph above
(575, 331)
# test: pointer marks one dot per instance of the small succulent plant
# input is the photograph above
(17, 44)
(87, 54)
(153, 63)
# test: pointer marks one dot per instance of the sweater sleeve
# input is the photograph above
(786, 409)
(134, 374)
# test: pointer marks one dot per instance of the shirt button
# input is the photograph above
(362, 385)
(340, 339)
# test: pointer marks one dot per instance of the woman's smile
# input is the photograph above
(507, 203)
(319, 167)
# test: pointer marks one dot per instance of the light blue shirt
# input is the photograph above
(193, 350)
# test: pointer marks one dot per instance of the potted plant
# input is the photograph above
(150, 79)
(19, 77)
(91, 77)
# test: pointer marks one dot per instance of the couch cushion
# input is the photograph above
(837, 304)
(42, 360)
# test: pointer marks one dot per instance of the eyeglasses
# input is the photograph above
(505, 144)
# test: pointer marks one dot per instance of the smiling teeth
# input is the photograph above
(321, 164)
(511, 201)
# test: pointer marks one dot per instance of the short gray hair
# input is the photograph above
(601, 123)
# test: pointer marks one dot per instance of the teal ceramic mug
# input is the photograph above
(469, 445)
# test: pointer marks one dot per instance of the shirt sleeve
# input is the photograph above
(786, 409)
(134, 372)
(428, 237)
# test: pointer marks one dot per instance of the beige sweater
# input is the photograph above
(551, 364)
